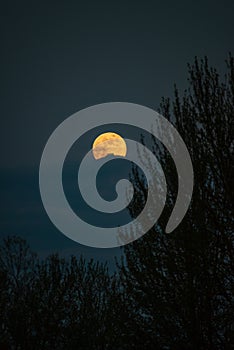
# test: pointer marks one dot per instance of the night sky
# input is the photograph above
(57, 59)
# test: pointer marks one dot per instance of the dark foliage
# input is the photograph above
(53, 304)
(178, 287)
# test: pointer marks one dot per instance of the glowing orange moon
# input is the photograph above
(109, 143)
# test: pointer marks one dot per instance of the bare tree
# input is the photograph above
(178, 286)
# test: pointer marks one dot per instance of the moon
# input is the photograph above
(109, 143)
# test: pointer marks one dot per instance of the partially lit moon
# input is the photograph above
(109, 143)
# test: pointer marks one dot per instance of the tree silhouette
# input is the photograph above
(54, 303)
(177, 287)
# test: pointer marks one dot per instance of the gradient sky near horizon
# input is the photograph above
(59, 58)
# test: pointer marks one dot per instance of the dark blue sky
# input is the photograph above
(57, 59)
